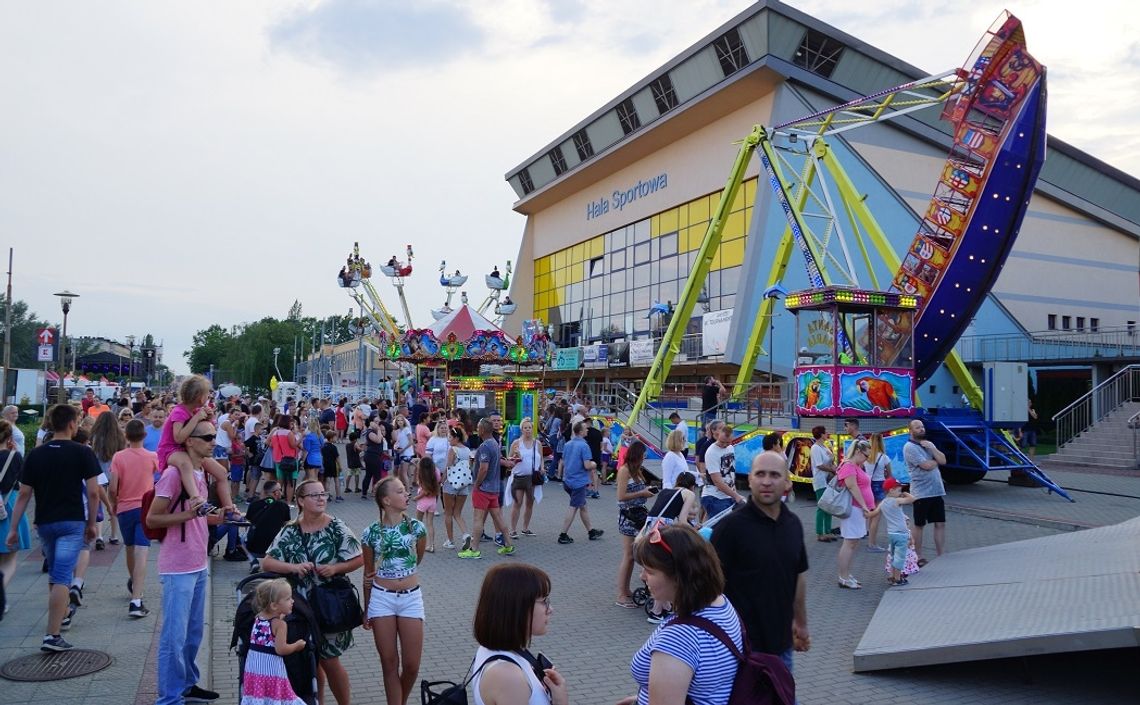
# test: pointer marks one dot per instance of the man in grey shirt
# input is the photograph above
(922, 461)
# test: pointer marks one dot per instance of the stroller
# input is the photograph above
(301, 624)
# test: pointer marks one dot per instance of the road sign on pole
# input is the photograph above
(45, 344)
(45, 353)
(45, 336)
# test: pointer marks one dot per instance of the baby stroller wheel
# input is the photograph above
(641, 596)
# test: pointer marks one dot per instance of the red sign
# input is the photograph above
(45, 336)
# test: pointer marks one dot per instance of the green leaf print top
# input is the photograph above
(333, 544)
(394, 547)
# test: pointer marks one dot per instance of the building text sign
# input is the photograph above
(621, 198)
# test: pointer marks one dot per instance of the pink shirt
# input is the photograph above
(423, 435)
(176, 556)
(862, 481)
(167, 446)
(134, 468)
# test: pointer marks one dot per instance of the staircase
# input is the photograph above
(1108, 443)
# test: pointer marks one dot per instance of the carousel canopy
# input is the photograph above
(463, 321)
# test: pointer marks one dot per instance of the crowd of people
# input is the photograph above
(197, 470)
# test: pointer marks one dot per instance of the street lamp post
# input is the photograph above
(774, 293)
(276, 352)
(65, 299)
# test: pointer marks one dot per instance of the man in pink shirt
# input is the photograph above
(182, 561)
(132, 476)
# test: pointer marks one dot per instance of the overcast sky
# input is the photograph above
(179, 164)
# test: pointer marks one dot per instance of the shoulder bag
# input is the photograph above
(335, 602)
(836, 499)
(4, 497)
(537, 475)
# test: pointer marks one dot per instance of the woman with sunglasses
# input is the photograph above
(513, 607)
(315, 548)
(682, 663)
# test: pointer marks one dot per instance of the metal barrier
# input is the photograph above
(1053, 345)
(1097, 403)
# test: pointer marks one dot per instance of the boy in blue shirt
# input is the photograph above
(579, 472)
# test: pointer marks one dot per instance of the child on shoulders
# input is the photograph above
(192, 409)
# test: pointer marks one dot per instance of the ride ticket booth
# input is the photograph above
(855, 352)
(514, 398)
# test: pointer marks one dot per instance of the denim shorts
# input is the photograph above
(237, 473)
(577, 496)
(130, 524)
(715, 505)
(877, 490)
(62, 541)
(220, 453)
(897, 547)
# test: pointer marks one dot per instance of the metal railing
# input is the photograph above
(1097, 403)
(1134, 424)
(1044, 346)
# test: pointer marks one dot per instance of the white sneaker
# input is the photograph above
(448, 544)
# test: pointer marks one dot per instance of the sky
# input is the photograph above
(179, 164)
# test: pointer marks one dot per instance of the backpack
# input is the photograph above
(761, 679)
(158, 534)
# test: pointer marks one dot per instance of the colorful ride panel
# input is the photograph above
(982, 196)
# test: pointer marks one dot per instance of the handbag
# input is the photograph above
(537, 476)
(4, 498)
(636, 515)
(459, 475)
(835, 500)
(335, 602)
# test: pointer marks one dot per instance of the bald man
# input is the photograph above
(761, 549)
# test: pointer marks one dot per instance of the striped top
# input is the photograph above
(714, 666)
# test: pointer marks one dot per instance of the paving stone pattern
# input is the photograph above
(590, 640)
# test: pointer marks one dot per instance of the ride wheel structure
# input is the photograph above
(358, 284)
(996, 108)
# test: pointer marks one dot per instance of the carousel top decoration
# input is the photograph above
(464, 334)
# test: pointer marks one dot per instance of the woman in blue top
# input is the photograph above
(311, 444)
(682, 663)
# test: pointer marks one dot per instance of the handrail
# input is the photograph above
(1097, 403)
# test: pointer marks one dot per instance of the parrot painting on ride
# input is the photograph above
(880, 393)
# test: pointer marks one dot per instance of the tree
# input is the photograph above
(24, 325)
(294, 311)
(208, 347)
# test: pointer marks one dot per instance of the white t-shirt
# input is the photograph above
(723, 462)
(672, 465)
(820, 455)
(683, 428)
(437, 448)
(877, 470)
(223, 439)
(250, 428)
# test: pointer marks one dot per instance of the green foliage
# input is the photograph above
(24, 325)
(245, 352)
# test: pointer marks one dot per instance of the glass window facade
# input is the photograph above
(603, 287)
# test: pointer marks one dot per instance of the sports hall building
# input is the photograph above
(618, 204)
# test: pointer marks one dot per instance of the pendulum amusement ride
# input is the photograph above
(881, 341)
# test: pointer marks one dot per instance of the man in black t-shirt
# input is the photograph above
(761, 549)
(59, 473)
(710, 397)
(594, 441)
(266, 517)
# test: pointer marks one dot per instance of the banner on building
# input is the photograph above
(714, 332)
(641, 352)
(568, 359)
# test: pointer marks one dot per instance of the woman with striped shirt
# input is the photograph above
(683, 663)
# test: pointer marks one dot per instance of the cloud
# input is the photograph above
(366, 35)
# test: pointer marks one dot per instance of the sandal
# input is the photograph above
(627, 603)
(430, 549)
(922, 562)
(825, 539)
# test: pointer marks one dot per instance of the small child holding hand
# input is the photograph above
(192, 409)
(265, 679)
(897, 532)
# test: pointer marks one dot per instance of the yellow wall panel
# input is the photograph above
(714, 201)
(738, 202)
(682, 216)
(716, 262)
(699, 210)
(559, 260)
(542, 265)
(669, 221)
(654, 226)
(732, 253)
(734, 226)
(559, 279)
(750, 192)
(575, 273)
(598, 246)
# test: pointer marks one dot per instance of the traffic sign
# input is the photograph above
(45, 353)
(45, 336)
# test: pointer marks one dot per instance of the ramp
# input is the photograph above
(1077, 591)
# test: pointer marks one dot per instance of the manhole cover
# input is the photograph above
(54, 667)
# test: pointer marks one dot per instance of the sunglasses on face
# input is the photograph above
(206, 436)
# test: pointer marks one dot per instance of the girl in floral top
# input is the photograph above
(393, 548)
(314, 549)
